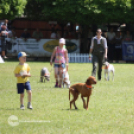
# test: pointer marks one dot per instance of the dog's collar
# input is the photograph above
(46, 74)
(89, 86)
(106, 67)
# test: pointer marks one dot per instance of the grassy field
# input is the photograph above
(111, 106)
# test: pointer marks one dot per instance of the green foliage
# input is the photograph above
(81, 11)
(11, 8)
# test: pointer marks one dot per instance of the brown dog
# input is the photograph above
(85, 89)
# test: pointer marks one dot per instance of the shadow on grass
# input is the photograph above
(15, 109)
(9, 109)
(72, 109)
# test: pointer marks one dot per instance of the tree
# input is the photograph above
(11, 8)
(81, 11)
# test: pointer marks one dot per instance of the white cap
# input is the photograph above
(62, 40)
(21, 54)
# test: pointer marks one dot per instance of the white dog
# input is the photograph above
(108, 68)
(65, 80)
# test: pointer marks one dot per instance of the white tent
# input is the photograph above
(1, 60)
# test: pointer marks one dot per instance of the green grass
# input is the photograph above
(111, 106)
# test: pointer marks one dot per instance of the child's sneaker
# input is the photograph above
(29, 105)
(56, 85)
(22, 107)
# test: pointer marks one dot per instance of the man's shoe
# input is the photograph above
(29, 105)
(22, 107)
(4, 57)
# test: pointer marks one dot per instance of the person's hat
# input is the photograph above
(25, 29)
(62, 40)
(21, 54)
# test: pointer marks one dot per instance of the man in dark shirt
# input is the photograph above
(25, 35)
(99, 50)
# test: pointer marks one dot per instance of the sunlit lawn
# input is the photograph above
(111, 106)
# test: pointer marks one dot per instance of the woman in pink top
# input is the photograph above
(61, 61)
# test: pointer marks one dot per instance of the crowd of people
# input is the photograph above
(114, 38)
(6, 32)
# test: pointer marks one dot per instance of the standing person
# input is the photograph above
(118, 46)
(4, 35)
(4, 23)
(99, 50)
(22, 72)
(61, 57)
(110, 41)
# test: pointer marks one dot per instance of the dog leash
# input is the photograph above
(51, 69)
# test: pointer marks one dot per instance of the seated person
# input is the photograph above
(58, 35)
(110, 36)
(128, 36)
(25, 35)
(65, 34)
(70, 35)
(53, 34)
(37, 34)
